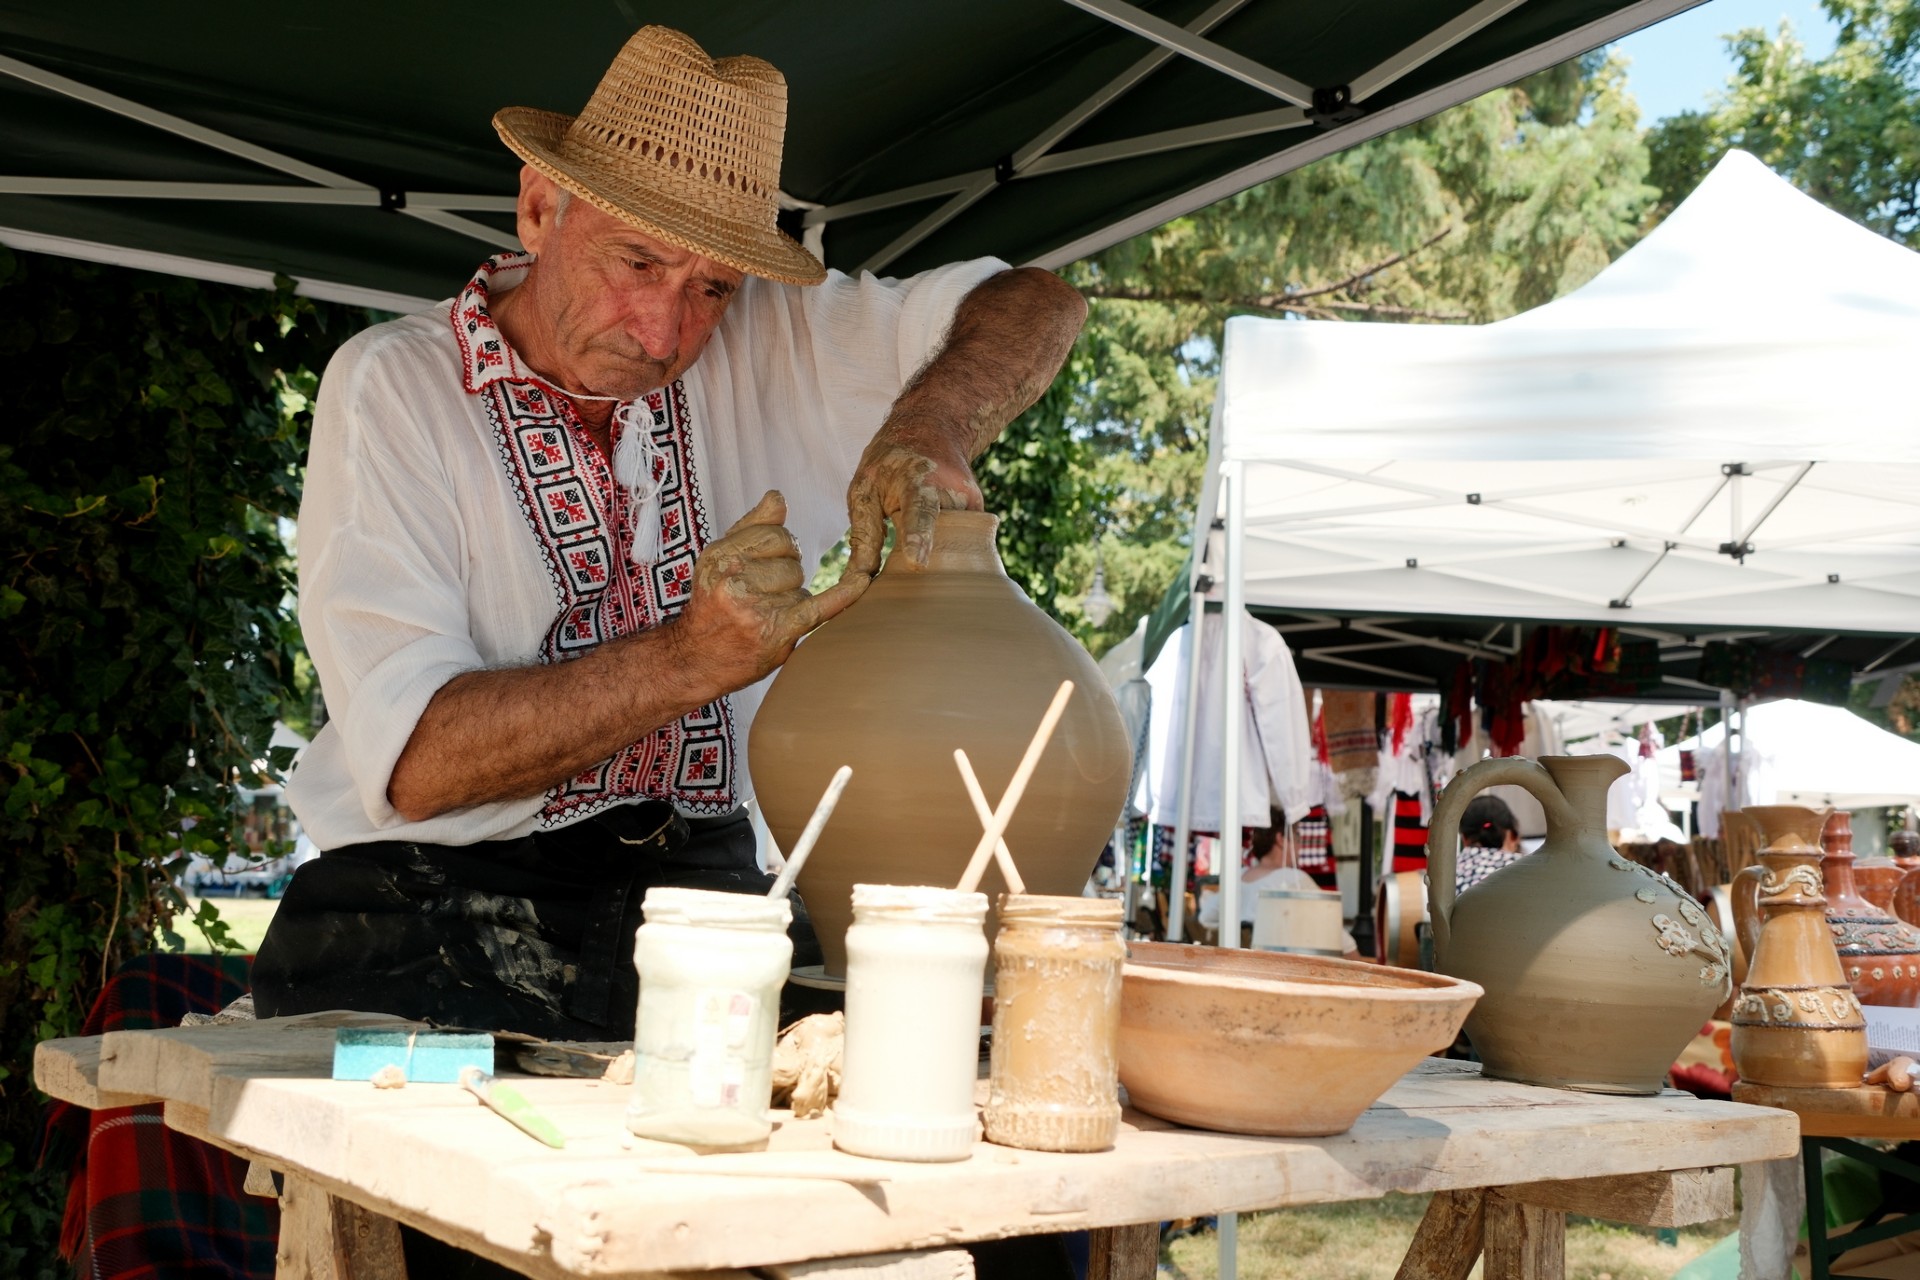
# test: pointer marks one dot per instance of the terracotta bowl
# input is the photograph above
(1272, 1043)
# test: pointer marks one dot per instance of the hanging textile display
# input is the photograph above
(1353, 745)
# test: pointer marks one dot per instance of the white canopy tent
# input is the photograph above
(1810, 754)
(1716, 438)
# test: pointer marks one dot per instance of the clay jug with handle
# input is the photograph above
(952, 655)
(1796, 1022)
(1597, 970)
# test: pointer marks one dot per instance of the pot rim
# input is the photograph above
(1402, 986)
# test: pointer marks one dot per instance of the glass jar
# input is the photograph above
(711, 968)
(1055, 1082)
(916, 961)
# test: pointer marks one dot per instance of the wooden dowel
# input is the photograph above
(984, 811)
(977, 865)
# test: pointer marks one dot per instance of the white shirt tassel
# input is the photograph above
(637, 466)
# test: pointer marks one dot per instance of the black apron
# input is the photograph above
(532, 935)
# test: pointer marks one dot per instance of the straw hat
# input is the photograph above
(680, 145)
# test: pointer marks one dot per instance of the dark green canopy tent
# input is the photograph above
(348, 144)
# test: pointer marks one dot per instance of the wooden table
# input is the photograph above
(1830, 1120)
(356, 1159)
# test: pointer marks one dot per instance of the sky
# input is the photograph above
(1679, 63)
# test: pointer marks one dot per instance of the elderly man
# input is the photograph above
(540, 644)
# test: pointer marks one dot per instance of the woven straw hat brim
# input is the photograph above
(536, 137)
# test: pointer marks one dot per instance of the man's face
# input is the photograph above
(616, 311)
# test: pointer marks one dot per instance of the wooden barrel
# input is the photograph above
(1307, 922)
(1400, 906)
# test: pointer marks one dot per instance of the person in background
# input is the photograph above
(1489, 840)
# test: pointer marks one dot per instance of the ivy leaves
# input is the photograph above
(155, 430)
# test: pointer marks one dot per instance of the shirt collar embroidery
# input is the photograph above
(486, 357)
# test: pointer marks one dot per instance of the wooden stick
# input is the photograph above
(1002, 854)
(977, 865)
(821, 812)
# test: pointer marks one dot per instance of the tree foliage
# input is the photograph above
(1497, 205)
(1844, 128)
(155, 431)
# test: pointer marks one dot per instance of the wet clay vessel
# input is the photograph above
(929, 660)
(1271, 1042)
(1597, 970)
(1796, 1022)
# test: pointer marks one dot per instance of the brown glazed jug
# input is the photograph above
(929, 660)
(1597, 970)
(1796, 1022)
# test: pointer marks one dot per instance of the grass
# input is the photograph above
(1366, 1240)
(246, 919)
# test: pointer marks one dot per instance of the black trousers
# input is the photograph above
(532, 935)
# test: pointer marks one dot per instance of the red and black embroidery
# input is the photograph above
(582, 520)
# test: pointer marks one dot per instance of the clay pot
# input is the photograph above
(1880, 954)
(1271, 1042)
(1796, 1022)
(1597, 970)
(929, 660)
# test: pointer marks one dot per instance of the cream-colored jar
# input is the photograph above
(711, 968)
(916, 961)
(1056, 1024)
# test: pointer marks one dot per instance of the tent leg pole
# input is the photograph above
(1233, 703)
(1183, 823)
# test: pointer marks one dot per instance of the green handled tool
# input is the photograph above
(512, 1105)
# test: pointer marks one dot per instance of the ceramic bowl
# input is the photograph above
(1272, 1043)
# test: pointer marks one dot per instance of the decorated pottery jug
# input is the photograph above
(929, 660)
(1879, 954)
(1796, 1022)
(1597, 970)
(1876, 879)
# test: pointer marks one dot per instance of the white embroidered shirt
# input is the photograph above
(456, 516)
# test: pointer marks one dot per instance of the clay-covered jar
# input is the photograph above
(1597, 970)
(1796, 1022)
(929, 660)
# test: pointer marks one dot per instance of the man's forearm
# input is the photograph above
(1008, 339)
(515, 732)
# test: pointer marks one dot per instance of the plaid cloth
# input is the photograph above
(143, 1202)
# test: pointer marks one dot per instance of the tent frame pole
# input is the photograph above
(1233, 701)
(1189, 729)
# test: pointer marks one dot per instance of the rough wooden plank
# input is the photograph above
(925, 1264)
(179, 1063)
(366, 1245)
(1450, 1238)
(1870, 1111)
(305, 1251)
(70, 1071)
(1524, 1241)
(610, 1204)
(1678, 1199)
(1125, 1253)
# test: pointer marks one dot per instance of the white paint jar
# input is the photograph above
(916, 963)
(711, 968)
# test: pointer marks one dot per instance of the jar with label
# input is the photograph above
(916, 962)
(1055, 1082)
(711, 968)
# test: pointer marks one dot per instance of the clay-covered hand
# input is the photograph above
(1897, 1075)
(906, 475)
(750, 604)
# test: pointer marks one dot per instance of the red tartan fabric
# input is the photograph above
(144, 1202)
